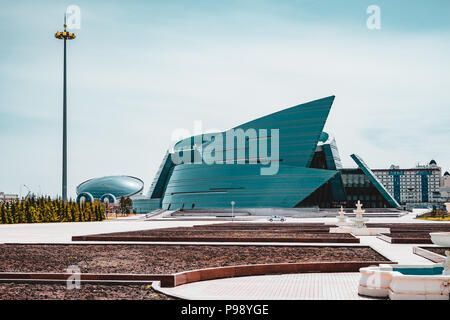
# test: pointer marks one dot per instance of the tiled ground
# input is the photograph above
(306, 286)
(401, 253)
(63, 232)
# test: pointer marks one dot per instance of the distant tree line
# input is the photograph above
(43, 209)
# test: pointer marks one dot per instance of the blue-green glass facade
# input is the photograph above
(396, 179)
(308, 166)
(424, 181)
(215, 186)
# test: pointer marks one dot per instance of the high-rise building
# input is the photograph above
(445, 187)
(414, 185)
(445, 182)
(4, 197)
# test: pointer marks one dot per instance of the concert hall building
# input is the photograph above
(308, 168)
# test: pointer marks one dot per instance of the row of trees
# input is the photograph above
(43, 209)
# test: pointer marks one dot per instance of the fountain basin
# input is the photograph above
(441, 238)
(405, 282)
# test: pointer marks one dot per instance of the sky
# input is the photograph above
(140, 70)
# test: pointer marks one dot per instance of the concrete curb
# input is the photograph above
(393, 240)
(184, 277)
(212, 239)
(430, 255)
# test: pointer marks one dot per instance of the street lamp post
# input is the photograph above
(29, 190)
(64, 36)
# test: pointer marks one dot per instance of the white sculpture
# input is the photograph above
(359, 210)
(440, 238)
(342, 219)
(359, 221)
(357, 226)
(341, 212)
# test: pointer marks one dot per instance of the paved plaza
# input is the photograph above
(63, 232)
(305, 286)
(289, 287)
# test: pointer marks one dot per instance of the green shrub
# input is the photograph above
(43, 209)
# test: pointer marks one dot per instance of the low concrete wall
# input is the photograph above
(312, 212)
(392, 239)
(430, 255)
(166, 280)
(270, 269)
(325, 239)
(173, 280)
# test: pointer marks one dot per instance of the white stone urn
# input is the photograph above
(441, 238)
(359, 221)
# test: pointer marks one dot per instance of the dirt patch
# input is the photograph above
(406, 237)
(440, 251)
(412, 227)
(235, 234)
(222, 235)
(42, 291)
(276, 229)
(164, 259)
(263, 226)
(229, 233)
(415, 235)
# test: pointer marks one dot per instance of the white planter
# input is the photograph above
(383, 282)
(374, 282)
(441, 238)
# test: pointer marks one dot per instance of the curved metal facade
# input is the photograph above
(117, 186)
(309, 170)
(215, 186)
(202, 185)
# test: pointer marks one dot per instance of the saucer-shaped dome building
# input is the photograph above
(109, 188)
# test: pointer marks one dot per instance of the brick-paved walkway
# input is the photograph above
(401, 253)
(306, 286)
